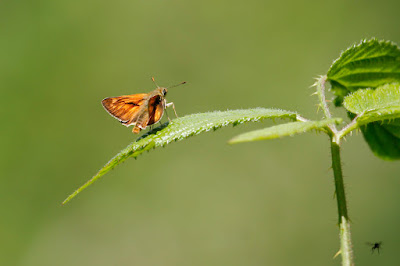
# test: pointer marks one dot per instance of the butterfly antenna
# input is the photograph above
(154, 81)
(177, 85)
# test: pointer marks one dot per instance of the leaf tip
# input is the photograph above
(68, 199)
(232, 141)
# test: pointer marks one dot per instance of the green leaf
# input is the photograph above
(382, 136)
(383, 139)
(182, 128)
(388, 113)
(368, 100)
(369, 64)
(379, 118)
(283, 130)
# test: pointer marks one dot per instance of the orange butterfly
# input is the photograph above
(140, 110)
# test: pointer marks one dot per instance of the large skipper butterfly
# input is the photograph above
(140, 110)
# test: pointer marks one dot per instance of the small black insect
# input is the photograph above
(375, 245)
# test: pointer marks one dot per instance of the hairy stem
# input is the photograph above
(346, 248)
(321, 95)
(320, 84)
(348, 128)
(344, 226)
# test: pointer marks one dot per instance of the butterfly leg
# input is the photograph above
(169, 119)
(173, 107)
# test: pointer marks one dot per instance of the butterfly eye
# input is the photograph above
(165, 92)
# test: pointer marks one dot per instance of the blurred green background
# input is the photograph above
(200, 201)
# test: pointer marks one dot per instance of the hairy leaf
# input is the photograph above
(182, 128)
(379, 118)
(369, 64)
(283, 130)
(367, 100)
(391, 114)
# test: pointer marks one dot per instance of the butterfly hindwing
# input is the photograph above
(156, 109)
(141, 122)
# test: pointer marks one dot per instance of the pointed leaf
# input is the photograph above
(283, 130)
(182, 128)
(369, 64)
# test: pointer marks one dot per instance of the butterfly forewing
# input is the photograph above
(124, 108)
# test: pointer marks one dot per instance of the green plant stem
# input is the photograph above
(339, 185)
(348, 128)
(344, 225)
(346, 248)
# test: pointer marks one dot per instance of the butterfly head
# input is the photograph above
(163, 91)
